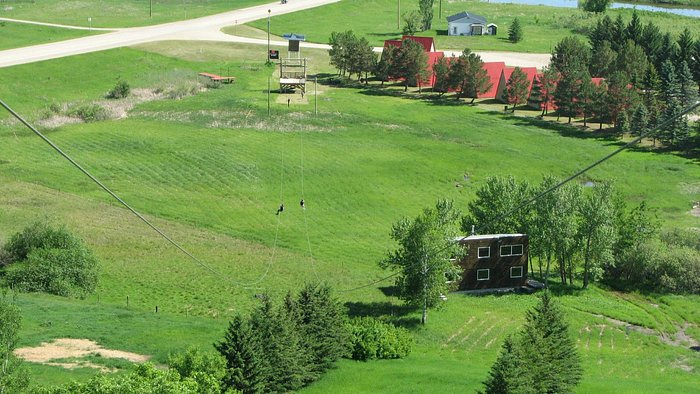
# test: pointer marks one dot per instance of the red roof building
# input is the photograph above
(494, 70)
(531, 73)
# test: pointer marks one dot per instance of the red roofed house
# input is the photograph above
(494, 70)
(428, 45)
(531, 72)
(551, 106)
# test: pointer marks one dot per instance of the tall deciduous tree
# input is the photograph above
(468, 76)
(596, 6)
(517, 88)
(515, 31)
(425, 7)
(13, 375)
(422, 260)
(597, 230)
(412, 22)
(496, 197)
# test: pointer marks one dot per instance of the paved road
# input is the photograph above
(207, 28)
(137, 35)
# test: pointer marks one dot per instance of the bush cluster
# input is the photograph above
(373, 339)
(120, 90)
(43, 258)
(89, 113)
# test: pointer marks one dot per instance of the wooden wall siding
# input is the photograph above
(499, 266)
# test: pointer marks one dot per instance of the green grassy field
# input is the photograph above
(543, 27)
(211, 169)
(116, 13)
(16, 35)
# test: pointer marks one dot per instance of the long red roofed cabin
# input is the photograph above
(494, 70)
(428, 43)
(531, 73)
(551, 106)
(494, 261)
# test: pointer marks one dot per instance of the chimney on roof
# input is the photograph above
(473, 232)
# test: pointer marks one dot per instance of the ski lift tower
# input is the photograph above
(293, 68)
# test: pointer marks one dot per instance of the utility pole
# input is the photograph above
(315, 95)
(268, 36)
(440, 12)
(398, 15)
(268, 96)
(150, 8)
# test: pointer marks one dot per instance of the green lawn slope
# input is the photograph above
(211, 169)
(16, 35)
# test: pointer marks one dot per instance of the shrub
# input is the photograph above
(42, 258)
(89, 112)
(120, 90)
(374, 339)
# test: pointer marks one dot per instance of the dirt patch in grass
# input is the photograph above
(67, 348)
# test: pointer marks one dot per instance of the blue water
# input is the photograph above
(695, 13)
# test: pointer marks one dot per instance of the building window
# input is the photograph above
(454, 31)
(484, 252)
(516, 272)
(512, 250)
(482, 274)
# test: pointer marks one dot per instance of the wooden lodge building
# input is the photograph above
(494, 261)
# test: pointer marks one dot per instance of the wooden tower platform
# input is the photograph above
(293, 74)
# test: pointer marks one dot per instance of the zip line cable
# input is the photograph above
(523, 204)
(306, 225)
(116, 197)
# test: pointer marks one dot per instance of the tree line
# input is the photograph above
(649, 77)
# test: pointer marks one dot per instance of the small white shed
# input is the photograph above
(466, 24)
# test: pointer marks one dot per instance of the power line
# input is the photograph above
(527, 202)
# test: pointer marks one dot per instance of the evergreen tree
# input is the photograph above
(651, 41)
(634, 28)
(549, 350)
(601, 33)
(441, 69)
(411, 63)
(422, 261)
(548, 79)
(620, 97)
(670, 87)
(600, 100)
(685, 47)
(640, 120)
(570, 55)
(667, 51)
(508, 374)
(688, 87)
(567, 92)
(677, 132)
(322, 321)
(289, 362)
(603, 61)
(541, 358)
(425, 7)
(695, 63)
(619, 36)
(536, 98)
(386, 64)
(632, 61)
(246, 369)
(342, 44)
(468, 76)
(517, 88)
(515, 31)
(585, 102)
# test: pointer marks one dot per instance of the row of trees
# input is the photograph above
(281, 348)
(591, 230)
(649, 78)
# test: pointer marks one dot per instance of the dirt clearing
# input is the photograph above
(50, 353)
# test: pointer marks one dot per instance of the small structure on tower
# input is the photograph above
(293, 68)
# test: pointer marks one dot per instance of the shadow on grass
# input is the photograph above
(388, 34)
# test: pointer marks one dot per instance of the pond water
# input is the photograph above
(574, 3)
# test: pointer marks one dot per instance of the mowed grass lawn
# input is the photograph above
(117, 13)
(211, 169)
(16, 35)
(543, 27)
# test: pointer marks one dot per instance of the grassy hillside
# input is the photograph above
(15, 35)
(117, 13)
(543, 27)
(211, 169)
